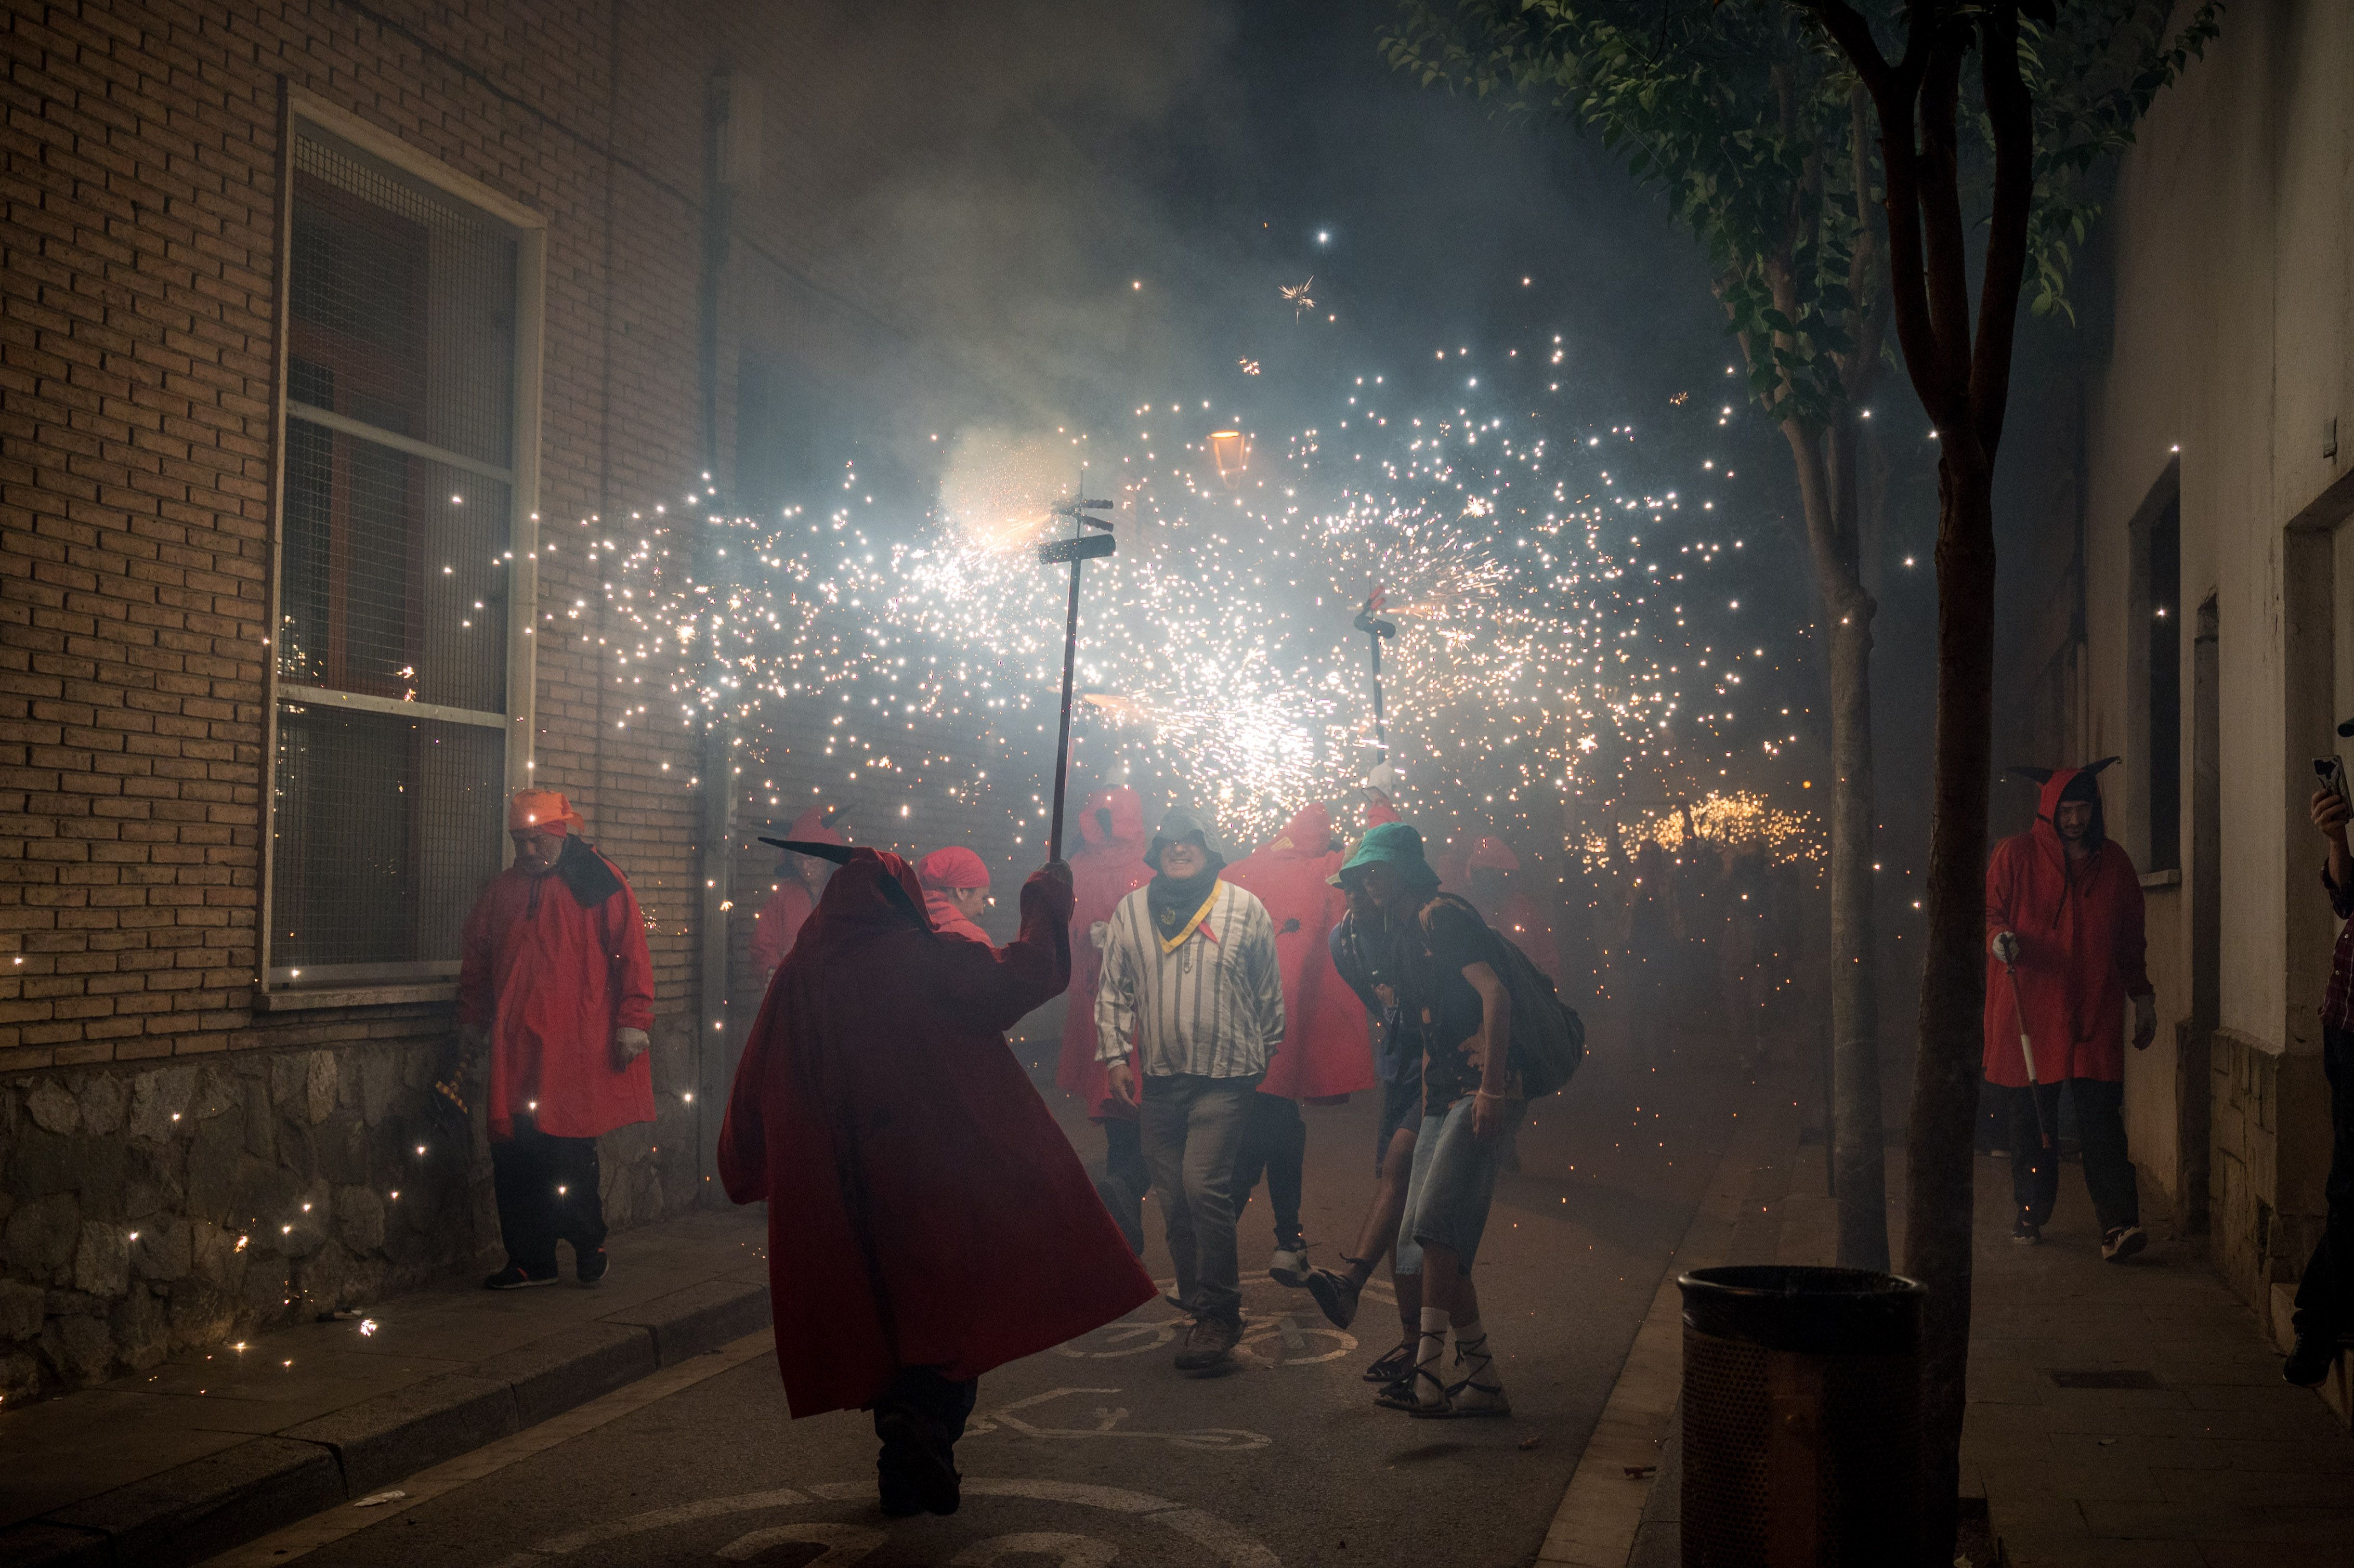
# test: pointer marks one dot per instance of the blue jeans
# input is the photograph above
(1453, 1185)
(1193, 1130)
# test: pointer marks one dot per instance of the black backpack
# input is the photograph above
(1548, 1038)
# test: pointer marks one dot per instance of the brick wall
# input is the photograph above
(138, 358)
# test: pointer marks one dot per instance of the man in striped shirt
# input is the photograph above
(1188, 1010)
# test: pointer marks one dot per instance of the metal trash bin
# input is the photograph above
(1801, 1418)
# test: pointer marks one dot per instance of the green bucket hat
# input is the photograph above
(1396, 844)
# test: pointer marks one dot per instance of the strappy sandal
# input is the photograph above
(1401, 1395)
(1395, 1367)
(1453, 1410)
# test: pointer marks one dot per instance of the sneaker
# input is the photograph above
(2026, 1234)
(2122, 1243)
(1288, 1267)
(515, 1277)
(1336, 1294)
(1211, 1344)
(589, 1267)
(2309, 1359)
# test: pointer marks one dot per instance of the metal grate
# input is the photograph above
(408, 298)
(388, 581)
(386, 828)
(396, 519)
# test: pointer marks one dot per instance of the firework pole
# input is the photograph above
(1369, 623)
(1080, 547)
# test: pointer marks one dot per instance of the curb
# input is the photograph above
(1602, 1508)
(184, 1515)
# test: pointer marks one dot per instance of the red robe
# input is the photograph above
(1107, 866)
(924, 1208)
(777, 923)
(549, 983)
(1326, 1050)
(2080, 952)
(779, 919)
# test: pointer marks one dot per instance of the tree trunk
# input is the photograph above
(1938, 1192)
(1826, 465)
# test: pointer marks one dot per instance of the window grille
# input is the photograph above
(396, 519)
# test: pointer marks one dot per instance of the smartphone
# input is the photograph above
(2332, 773)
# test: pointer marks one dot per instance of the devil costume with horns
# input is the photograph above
(2077, 923)
(927, 1219)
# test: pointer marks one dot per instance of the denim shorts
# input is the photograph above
(1401, 1108)
(1453, 1185)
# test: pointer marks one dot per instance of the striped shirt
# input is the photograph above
(1213, 1007)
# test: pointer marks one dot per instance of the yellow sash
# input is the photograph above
(1170, 944)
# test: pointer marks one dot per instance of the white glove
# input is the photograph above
(628, 1044)
(2144, 1020)
(1383, 778)
(2005, 947)
(1099, 934)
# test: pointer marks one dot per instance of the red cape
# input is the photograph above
(1326, 1049)
(1107, 866)
(777, 924)
(2080, 952)
(924, 1210)
(549, 981)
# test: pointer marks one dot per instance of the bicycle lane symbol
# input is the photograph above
(1107, 1420)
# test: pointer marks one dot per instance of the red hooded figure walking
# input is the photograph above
(927, 1219)
(802, 880)
(2065, 953)
(556, 983)
(1108, 867)
(1327, 1050)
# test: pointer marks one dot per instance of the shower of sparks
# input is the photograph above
(1539, 578)
(1295, 295)
(1250, 366)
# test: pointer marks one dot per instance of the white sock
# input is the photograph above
(1471, 1356)
(1430, 1358)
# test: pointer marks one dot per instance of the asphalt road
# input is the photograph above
(1100, 1452)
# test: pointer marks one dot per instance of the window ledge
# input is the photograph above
(354, 996)
(2155, 879)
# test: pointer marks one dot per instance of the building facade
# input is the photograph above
(2179, 581)
(341, 341)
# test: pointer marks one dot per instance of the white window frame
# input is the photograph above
(280, 989)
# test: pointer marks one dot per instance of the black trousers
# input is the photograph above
(2100, 1128)
(1274, 1143)
(1124, 1156)
(919, 1420)
(2324, 1299)
(546, 1191)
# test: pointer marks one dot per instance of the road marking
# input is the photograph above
(1227, 1544)
(1107, 1424)
(305, 1536)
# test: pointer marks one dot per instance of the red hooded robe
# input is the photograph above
(549, 981)
(1326, 1050)
(1107, 866)
(779, 919)
(927, 1210)
(2080, 951)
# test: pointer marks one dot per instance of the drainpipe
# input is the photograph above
(731, 109)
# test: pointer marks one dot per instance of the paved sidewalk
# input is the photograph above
(2120, 1414)
(167, 1466)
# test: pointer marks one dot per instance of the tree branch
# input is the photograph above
(1947, 240)
(2011, 111)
